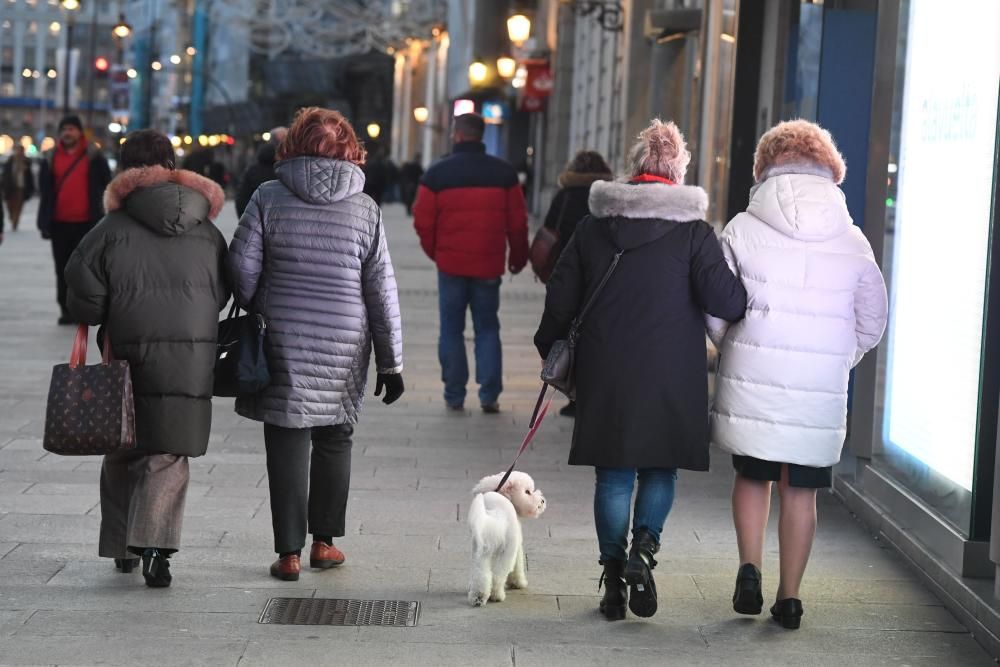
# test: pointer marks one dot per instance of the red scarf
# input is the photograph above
(649, 178)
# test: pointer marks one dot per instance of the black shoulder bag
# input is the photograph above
(558, 370)
(240, 364)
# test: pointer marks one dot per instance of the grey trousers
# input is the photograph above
(142, 502)
(304, 495)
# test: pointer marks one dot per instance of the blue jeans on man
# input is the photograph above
(613, 506)
(456, 295)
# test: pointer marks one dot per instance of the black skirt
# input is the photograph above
(804, 477)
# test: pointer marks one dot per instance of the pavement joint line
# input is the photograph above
(61, 568)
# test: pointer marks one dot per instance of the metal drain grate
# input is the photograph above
(326, 611)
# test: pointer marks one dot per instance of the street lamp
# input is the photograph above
(478, 73)
(506, 67)
(122, 30)
(374, 130)
(519, 29)
(421, 114)
(70, 6)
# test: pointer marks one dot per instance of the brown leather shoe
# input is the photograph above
(286, 568)
(324, 556)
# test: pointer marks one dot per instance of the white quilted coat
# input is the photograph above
(816, 303)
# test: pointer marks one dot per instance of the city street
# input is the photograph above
(413, 466)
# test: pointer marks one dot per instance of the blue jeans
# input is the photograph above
(456, 294)
(613, 500)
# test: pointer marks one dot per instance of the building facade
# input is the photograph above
(34, 35)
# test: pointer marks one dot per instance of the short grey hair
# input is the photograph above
(660, 151)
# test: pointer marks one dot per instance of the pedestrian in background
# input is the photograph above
(818, 305)
(260, 171)
(469, 209)
(571, 204)
(640, 371)
(71, 179)
(17, 184)
(310, 255)
(158, 233)
(376, 172)
(409, 179)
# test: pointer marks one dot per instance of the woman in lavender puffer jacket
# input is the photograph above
(310, 255)
(816, 303)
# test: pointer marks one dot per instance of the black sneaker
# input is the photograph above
(126, 565)
(156, 569)
(748, 599)
(455, 407)
(491, 408)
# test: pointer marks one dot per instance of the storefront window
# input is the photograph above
(939, 204)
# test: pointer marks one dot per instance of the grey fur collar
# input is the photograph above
(806, 168)
(658, 201)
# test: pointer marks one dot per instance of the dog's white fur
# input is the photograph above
(497, 541)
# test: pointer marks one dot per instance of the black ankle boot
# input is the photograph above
(156, 569)
(639, 575)
(126, 565)
(748, 599)
(788, 612)
(615, 590)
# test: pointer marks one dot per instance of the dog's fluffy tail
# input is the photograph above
(477, 511)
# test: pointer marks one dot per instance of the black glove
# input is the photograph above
(393, 383)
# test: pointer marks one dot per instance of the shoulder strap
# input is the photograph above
(578, 322)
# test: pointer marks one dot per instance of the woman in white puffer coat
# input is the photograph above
(816, 303)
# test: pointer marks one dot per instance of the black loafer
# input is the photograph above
(788, 612)
(748, 599)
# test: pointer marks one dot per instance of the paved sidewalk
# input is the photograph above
(413, 467)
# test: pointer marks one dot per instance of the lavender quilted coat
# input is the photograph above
(310, 254)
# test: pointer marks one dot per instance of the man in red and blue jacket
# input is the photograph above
(469, 209)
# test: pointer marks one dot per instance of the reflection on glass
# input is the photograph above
(937, 236)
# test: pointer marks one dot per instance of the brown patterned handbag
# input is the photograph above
(90, 409)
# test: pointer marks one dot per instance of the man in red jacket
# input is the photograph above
(469, 208)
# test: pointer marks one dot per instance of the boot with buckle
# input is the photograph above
(615, 590)
(156, 568)
(639, 575)
(287, 567)
(323, 556)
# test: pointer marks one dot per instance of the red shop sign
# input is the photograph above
(538, 86)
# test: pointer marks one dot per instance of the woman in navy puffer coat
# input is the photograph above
(310, 255)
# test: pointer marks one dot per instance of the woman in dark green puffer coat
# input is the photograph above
(152, 273)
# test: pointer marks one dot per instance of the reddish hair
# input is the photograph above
(322, 132)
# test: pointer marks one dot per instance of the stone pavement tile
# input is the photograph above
(15, 463)
(948, 648)
(236, 491)
(224, 509)
(7, 547)
(58, 529)
(139, 627)
(10, 620)
(404, 529)
(321, 649)
(121, 651)
(137, 597)
(24, 444)
(36, 504)
(12, 488)
(34, 571)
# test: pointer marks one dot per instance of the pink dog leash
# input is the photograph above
(536, 421)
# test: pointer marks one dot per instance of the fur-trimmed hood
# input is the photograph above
(169, 202)
(577, 179)
(648, 201)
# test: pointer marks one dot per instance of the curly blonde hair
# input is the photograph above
(798, 141)
(660, 151)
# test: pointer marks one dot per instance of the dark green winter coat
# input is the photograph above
(152, 272)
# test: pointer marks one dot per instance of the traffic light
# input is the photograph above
(102, 64)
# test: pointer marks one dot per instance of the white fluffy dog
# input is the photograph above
(497, 542)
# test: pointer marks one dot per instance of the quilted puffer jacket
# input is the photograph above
(310, 255)
(469, 209)
(153, 273)
(816, 303)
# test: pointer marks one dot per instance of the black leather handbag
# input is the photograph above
(240, 364)
(560, 364)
